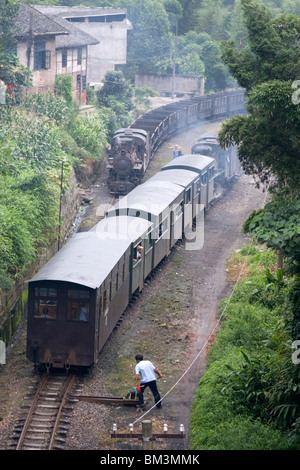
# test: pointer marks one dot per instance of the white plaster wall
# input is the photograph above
(111, 50)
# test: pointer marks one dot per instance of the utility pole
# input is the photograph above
(174, 61)
(147, 436)
(29, 41)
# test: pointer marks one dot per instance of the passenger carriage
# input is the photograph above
(155, 204)
(191, 182)
(204, 166)
(76, 299)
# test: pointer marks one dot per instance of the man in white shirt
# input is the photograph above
(147, 371)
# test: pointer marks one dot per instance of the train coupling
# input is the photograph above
(58, 361)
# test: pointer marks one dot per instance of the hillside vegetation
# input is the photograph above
(248, 399)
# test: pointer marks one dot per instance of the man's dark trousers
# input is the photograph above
(153, 387)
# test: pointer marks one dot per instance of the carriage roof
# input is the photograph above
(194, 162)
(85, 259)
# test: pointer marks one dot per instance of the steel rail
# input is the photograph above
(65, 393)
(29, 415)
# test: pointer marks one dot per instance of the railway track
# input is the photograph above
(46, 423)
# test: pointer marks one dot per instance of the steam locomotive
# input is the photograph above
(133, 148)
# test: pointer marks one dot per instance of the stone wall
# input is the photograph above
(13, 302)
(183, 85)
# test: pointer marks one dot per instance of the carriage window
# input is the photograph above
(148, 242)
(137, 252)
(161, 229)
(104, 301)
(78, 305)
(178, 211)
(204, 178)
(45, 303)
(188, 196)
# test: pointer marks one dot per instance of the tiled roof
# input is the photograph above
(75, 12)
(76, 38)
(30, 20)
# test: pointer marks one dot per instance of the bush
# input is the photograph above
(90, 133)
(249, 396)
(64, 87)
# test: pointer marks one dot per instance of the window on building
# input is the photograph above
(64, 58)
(79, 55)
(42, 57)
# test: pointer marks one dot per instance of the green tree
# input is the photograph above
(12, 73)
(268, 137)
(272, 52)
(188, 21)
(115, 87)
(8, 15)
(174, 10)
(116, 98)
(150, 39)
(277, 226)
(201, 56)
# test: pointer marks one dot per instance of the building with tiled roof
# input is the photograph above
(49, 45)
(36, 49)
(72, 56)
(31, 22)
(108, 25)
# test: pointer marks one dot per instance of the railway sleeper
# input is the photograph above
(34, 438)
(64, 428)
(47, 407)
(64, 421)
(43, 420)
(33, 447)
(46, 415)
(45, 424)
(42, 430)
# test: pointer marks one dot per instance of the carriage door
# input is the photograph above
(148, 253)
(138, 266)
(204, 189)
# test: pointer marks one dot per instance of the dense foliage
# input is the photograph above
(13, 75)
(268, 137)
(277, 226)
(36, 138)
(249, 397)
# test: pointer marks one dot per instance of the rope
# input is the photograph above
(210, 335)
